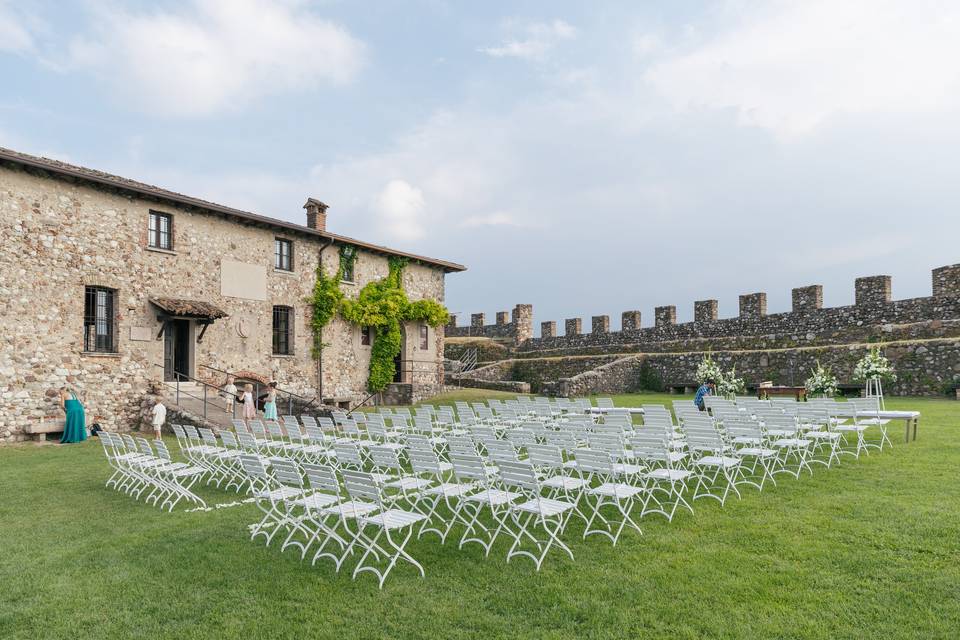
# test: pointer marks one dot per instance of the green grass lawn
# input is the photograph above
(869, 549)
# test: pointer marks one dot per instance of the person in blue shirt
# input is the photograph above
(706, 389)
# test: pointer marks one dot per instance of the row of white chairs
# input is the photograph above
(520, 490)
(142, 469)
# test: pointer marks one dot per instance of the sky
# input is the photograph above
(584, 157)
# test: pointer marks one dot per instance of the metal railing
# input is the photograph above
(291, 397)
(463, 366)
(207, 398)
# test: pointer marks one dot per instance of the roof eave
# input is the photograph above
(183, 200)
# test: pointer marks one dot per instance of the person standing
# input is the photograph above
(230, 393)
(249, 403)
(75, 429)
(270, 403)
(706, 389)
(159, 417)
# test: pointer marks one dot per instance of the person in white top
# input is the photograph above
(159, 417)
(230, 393)
(249, 403)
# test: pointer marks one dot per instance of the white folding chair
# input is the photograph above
(470, 469)
(387, 522)
(598, 466)
(549, 514)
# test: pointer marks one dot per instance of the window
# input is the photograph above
(424, 337)
(348, 257)
(365, 336)
(99, 320)
(282, 331)
(160, 231)
(283, 254)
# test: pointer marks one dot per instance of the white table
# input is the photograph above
(910, 418)
(602, 410)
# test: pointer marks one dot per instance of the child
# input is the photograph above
(270, 403)
(230, 393)
(249, 404)
(159, 416)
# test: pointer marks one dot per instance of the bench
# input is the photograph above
(44, 426)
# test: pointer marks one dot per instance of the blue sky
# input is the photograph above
(586, 158)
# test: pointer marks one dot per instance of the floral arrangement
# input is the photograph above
(821, 382)
(728, 384)
(708, 370)
(874, 366)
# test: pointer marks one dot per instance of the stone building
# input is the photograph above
(109, 285)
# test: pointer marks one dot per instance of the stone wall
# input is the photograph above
(487, 350)
(919, 334)
(511, 386)
(63, 235)
(514, 327)
(807, 324)
(923, 367)
(536, 372)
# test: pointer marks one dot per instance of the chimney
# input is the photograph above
(316, 214)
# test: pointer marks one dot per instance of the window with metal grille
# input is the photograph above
(347, 260)
(282, 331)
(283, 254)
(365, 336)
(99, 320)
(424, 337)
(160, 231)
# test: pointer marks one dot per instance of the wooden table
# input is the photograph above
(800, 393)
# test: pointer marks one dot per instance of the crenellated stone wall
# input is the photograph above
(913, 325)
(515, 326)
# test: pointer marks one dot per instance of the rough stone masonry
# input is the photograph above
(69, 231)
(920, 335)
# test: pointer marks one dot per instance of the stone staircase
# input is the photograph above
(190, 407)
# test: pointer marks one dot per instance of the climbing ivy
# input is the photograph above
(325, 300)
(348, 256)
(381, 305)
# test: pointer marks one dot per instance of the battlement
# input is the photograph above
(921, 333)
(874, 307)
(516, 325)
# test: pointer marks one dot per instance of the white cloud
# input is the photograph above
(215, 55)
(790, 66)
(538, 39)
(15, 32)
(496, 219)
(400, 209)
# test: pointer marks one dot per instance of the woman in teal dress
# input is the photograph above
(270, 405)
(75, 429)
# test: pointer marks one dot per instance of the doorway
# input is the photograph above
(399, 374)
(177, 347)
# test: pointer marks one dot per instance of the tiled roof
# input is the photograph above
(189, 308)
(99, 177)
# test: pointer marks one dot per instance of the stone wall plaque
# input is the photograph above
(143, 334)
(243, 280)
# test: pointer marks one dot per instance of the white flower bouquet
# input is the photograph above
(821, 382)
(728, 384)
(708, 370)
(874, 366)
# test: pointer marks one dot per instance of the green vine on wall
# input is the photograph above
(381, 305)
(348, 256)
(325, 301)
